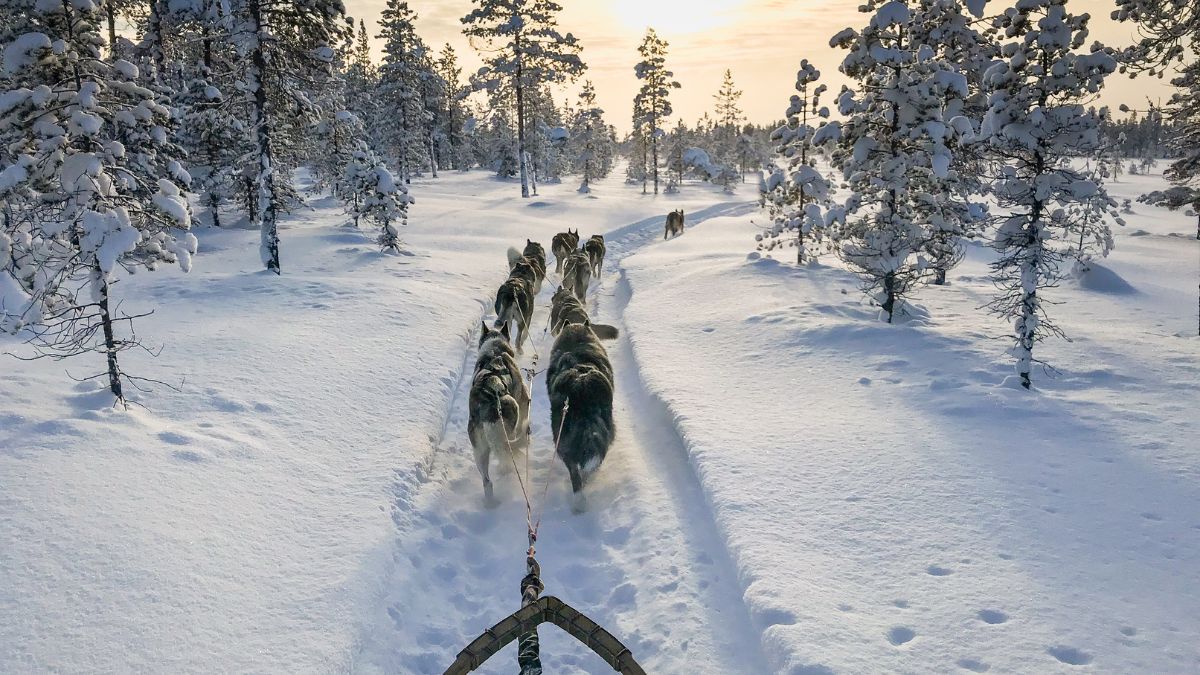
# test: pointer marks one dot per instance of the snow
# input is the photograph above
(895, 524)
(19, 54)
(795, 487)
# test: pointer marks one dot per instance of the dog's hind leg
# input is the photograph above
(483, 456)
(578, 500)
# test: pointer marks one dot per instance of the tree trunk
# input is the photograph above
(889, 289)
(110, 341)
(654, 145)
(520, 85)
(110, 13)
(213, 201)
(432, 156)
(265, 183)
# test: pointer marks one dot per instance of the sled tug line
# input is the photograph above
(511, 409)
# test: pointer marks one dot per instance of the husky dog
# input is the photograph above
(514, 307)
(577, 273)
(562, 246)
(528, 271)
(499, 403)
(595, 253)
(674, 224)
(565, 308)
(534, 252)
(580, 384)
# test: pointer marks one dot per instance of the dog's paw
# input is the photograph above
(578, 503)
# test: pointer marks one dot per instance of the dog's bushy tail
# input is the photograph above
(605, 331)
(513, 256)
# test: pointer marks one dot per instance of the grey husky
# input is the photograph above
(579, 381)
(514, 309)
(595, 252)
(577, 273)
(532, 259)
(562, 246)
(499, 404)
(565, 308)
(674, 226)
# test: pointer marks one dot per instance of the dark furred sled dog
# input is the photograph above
(579, 381)
(562, 246)
(674, 226)
(514, 309)
(577, 274)
(499, 404)
(532, 262)
(565, 308)
(594, 248)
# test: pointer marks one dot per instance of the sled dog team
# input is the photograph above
(579, 378)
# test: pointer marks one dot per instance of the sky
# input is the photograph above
(760, 41)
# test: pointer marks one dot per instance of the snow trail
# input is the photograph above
(645, 560)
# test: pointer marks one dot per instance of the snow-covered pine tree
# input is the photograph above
(591, 146)
(729, 119)
(951, 28)
(406, 125)
(89, 184)
(638, 146)
(1170, 32)
(795, 194)
(372, 192)
(288, 51)
(211, 129)
(456, 153)
(1035, 123)
(360, 81)
(652, 106)
(894, 152)
(523, 50)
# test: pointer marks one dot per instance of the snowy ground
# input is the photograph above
(794, 488)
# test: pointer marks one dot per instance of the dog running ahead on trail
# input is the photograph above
(577, 274)
(595, 253)
(565, 308)
(562, 246)
(674, 226)
(499, 404)
(514, 309)
(534, 256)
(579, 381)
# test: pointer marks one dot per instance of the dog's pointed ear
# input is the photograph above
(485, 327)
(528, 241)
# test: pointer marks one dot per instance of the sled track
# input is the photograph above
(645, 561)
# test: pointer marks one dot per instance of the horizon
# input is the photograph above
(757, 38)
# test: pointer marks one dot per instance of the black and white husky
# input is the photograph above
(577, 273)
(579, 381)
(562, 246)
(529, 264)
(565, 308)
(499, 404)
(514, 309)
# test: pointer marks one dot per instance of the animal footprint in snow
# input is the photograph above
(973, 665)
(901, 635)
(937, 571)
(992, 616)
(1070, 655)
